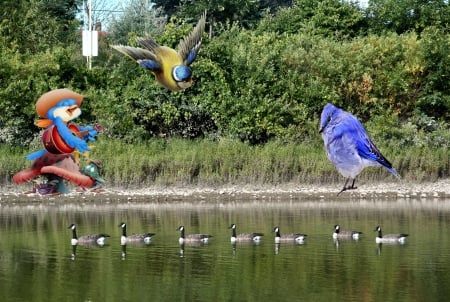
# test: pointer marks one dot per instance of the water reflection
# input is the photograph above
(74, 251)
(388, 244)
(244, 246)
(35, 247)
(124, 251)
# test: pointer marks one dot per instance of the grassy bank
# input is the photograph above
(230, 162)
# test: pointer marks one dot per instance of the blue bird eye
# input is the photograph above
(181, 73)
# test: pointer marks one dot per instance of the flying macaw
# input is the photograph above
(171, 68)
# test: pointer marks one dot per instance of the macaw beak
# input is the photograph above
(184, 85)
(71, 110)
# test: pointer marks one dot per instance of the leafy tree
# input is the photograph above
(36, 51)
(328, 17)
(168, 6)
(434, 98)
(401, 16)
(36, 25)
(256, 84)
(140, 18)
(246, 12)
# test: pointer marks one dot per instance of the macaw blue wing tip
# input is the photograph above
(35, 155)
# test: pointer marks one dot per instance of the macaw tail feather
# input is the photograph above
(35, 155)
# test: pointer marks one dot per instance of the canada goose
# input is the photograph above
(134, 238)
(345, 234)
(86, 239)
(256, 237)
(299, 238)
(192, 238)
(389, 238)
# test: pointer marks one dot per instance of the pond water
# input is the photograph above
(38, 263)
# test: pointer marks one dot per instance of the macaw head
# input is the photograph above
(182, 75)
(62, 103)
(66, 110)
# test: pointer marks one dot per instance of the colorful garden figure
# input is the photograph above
(57, 109)
(56, 164)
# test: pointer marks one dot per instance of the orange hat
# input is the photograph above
(51, 98)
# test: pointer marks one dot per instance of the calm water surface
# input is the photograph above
(37, 262)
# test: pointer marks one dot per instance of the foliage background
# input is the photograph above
(265, 70)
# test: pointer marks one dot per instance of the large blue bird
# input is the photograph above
(170, 67)
(348, 146)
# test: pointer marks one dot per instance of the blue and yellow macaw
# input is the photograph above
(171, 68)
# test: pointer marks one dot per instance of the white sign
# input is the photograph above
(90, 43)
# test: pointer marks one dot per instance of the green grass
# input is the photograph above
(229, 162)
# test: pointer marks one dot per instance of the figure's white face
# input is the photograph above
(67, 113)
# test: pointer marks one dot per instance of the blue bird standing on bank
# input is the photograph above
(170, 67)
(348, 146)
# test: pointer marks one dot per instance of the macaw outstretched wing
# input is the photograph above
(145, 57)
(189, 46)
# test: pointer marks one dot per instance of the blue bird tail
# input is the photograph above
(35, 155)
(394, 172)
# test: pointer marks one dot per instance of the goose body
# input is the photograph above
(244, 237)
(389, 238)
(294, 237)
(134, 238)
(192, 238)
(345, 234)
(87, 239)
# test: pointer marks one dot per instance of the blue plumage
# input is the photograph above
(149, 64)
(36, 155)
(348, 146)
(192, 55)
(181, 73)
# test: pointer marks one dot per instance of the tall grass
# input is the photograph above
(12, 160)
(178, 162)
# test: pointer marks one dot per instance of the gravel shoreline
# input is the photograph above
(391, 190)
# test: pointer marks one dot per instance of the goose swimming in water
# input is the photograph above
(244, 237)
(87, 239)
(192, 238)
(345, 234)
(389, 238)
(294, 237)
(134, 238)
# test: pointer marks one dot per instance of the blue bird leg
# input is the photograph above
(345, 188)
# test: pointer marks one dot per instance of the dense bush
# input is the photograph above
(265, 83)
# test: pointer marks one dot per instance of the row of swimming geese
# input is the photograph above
(243, 237)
